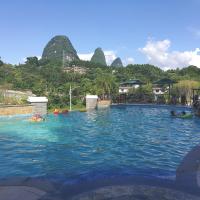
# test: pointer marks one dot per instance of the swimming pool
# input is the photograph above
(121, 140)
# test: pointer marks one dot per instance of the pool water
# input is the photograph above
(121, 140)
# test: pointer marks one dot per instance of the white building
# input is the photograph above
(159, 91)
(126, 86)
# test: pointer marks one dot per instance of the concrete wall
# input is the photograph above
(33, 108)
(15, 110)
(91, 103)
(39, 108)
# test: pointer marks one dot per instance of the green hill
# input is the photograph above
(117, 63)
(99, 57)
(60, 48)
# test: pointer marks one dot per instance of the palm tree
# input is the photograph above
(105, 84)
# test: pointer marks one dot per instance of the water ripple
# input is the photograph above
(120, 140)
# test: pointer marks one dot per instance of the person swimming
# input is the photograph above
(182, 115)
(36, 118)
(173, 113)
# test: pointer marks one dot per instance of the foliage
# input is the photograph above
(141, 94)
(47, 78)
(105, 84)
(184, 88)
(1, 62)
(32, 61)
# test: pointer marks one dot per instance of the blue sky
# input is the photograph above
(139, 31)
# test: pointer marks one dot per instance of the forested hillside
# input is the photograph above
(45, 77)
(48, 76)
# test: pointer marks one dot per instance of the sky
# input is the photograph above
(159, 32)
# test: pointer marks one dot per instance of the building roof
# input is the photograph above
(132, 82)
(165, 81)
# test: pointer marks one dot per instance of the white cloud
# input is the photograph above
(24, 60)
(128, 61)
(85, 56)
(109, 54)
(157, 53)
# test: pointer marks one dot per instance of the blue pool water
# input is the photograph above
(122, 140)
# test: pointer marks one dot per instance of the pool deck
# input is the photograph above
(20, 192)
(137, 188)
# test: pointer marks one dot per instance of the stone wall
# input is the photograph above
(91, 103)
(39, 108)
(16, 109)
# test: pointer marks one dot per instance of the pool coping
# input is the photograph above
(54, 190)
(149, 104)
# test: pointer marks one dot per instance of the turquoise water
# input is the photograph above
(122, 140)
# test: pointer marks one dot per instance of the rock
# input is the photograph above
(60, 48)
(99, 57)
(117, 63)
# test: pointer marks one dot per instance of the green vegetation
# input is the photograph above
(49, 79)
(1, 62)
(99, 57)
(141, 95)
(183, 90)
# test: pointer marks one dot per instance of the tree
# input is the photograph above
(141, 94)
(32, 61)
(105, 85)
(183, 89)
(1, 62)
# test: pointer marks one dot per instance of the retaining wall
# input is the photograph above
(15, 109)
(39, 108)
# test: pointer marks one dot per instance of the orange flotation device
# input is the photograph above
(56, 112)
